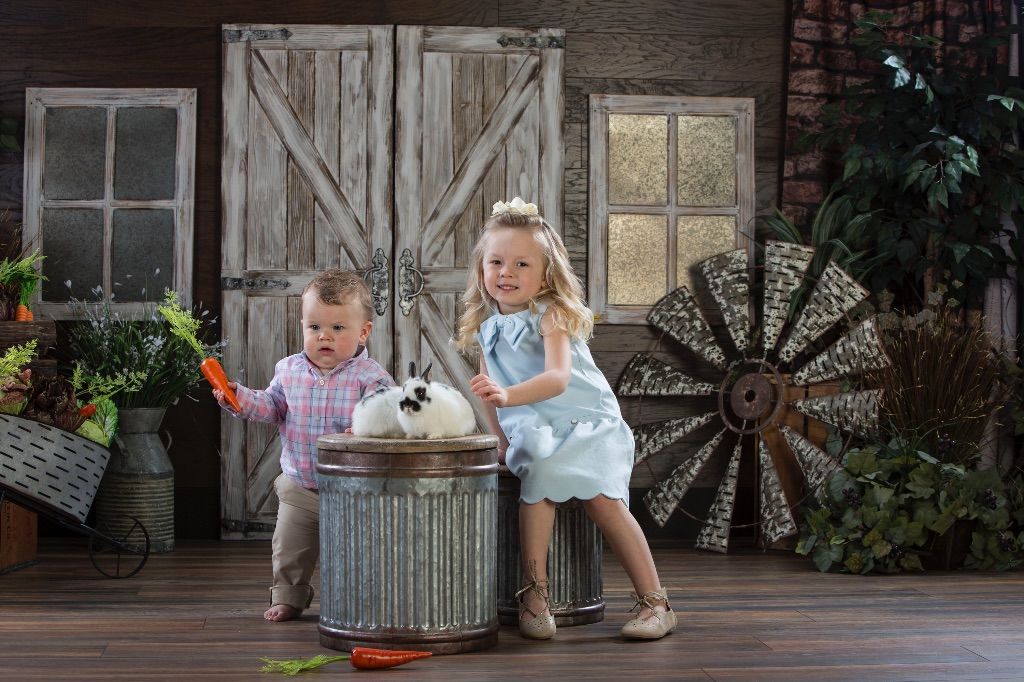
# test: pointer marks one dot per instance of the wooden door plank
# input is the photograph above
(267, 166)
(326, 138)
(354, 141)
(301, 239)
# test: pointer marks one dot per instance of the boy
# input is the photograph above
(312, 393)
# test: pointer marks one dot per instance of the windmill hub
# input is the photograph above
(748, 399)
(751, 396)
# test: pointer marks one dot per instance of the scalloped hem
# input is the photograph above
(559, 500)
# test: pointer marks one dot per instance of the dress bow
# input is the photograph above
(512, 327)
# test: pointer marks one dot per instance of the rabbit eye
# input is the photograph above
(421, 393)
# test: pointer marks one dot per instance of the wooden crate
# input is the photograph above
(17, 537)
(18, 526)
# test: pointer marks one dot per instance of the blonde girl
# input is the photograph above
(557, 419)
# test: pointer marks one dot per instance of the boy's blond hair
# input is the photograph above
(563, 292)
(338, 287)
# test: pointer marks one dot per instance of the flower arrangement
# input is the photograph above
(106, 344)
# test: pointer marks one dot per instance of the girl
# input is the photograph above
(554, 412)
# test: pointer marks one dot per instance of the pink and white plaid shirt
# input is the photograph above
(306, 405)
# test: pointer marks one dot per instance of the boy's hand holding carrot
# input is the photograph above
(222, 398)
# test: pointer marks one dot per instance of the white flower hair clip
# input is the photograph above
(515, 207)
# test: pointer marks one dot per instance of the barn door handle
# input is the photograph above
(408, 289)
(377, 279)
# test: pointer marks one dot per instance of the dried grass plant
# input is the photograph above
(939, 390)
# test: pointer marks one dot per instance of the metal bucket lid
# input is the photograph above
(343, 454)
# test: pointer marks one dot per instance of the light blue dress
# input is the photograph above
(573, 445)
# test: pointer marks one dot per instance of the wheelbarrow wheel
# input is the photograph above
(119, 554)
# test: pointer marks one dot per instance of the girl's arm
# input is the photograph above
(548, 384)
(492, 418)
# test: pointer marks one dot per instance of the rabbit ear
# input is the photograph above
(426, 373)
(412, 370)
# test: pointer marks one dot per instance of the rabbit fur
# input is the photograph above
(421, 408)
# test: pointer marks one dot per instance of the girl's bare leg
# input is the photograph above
(536, 523)
(627, 541)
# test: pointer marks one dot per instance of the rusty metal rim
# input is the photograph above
(459, 641)
(346, 442)
(342, 470)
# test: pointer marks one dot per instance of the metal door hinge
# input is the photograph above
(247, 283)
(248, 35)
(533, 42)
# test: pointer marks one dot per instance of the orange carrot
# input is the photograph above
(87, 410)
(214, 374)
(373, 659)
(23, 314)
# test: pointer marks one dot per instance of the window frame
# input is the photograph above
(601, 106)
(183, 100)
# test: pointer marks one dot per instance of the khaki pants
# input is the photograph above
(296, 543)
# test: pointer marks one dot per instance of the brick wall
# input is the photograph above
(822, 63)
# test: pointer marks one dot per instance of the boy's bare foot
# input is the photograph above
(280, 612)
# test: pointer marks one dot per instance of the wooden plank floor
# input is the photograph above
(196, 613)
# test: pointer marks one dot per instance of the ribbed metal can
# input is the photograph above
(138, 484)
(574, 560)
(408, 543)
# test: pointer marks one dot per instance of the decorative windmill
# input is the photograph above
(750, 396)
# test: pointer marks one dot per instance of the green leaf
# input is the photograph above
(851, 168)
(959, 250)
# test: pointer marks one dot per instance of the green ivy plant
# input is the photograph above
(928, 150)
(890, 503)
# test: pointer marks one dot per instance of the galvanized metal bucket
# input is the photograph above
(574, 560)
(408, 543)
(139, 480)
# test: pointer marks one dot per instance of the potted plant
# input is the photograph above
(928, 149)
(139, 481)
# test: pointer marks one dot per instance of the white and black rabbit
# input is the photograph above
(429, 409)
(376, 415)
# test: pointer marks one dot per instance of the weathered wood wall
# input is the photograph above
(684, 47)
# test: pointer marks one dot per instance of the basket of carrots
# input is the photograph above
(19, 279)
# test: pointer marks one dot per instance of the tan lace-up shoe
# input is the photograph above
(655, 626)
(538, 625)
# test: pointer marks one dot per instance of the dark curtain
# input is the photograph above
(822, 63)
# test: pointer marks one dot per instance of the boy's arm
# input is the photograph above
(269, 405)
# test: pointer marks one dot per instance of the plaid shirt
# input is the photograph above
(307, 404)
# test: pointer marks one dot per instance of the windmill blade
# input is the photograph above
(655, 437)
(858, 351)
(814, 462)
(714, 534)
(835, 294)
(679, 316)
(776, 516)
(784, 268)
(662, 499)
(645, 375)
(728, 280)
(856, 411)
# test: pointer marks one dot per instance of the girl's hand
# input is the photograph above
(219, 395)
(487, 390)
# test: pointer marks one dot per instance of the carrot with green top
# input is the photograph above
(362, 658)
(185, 326)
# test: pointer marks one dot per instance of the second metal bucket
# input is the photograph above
(574, 560)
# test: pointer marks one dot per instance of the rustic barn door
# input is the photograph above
(478, 119)
(307, 182)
